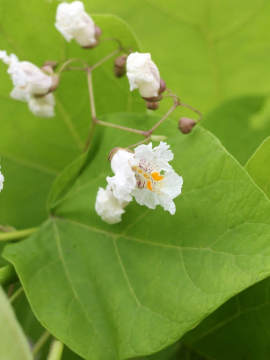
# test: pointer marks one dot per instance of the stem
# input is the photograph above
(192, 109)
(41, 341)
(56, 350)
(92, 109)
(168, 113)
(139, 143)
(16, 294)
(124, 128)
(106, 58)
(16, 235)
(66, 63)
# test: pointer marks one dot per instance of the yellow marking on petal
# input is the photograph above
(146, 176)
(149, 185)
(139, 171)
(156, 176)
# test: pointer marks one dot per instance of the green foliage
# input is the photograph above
(38, 149)
(13, 344)
(207, 51)
(133, 288)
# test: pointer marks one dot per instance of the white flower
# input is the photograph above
(145, 175)
(157, 182)
(124, 181)
(108, 207)
(27, 78)
(74, 23)
(143, 74)
(42, 106)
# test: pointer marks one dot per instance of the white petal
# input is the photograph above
(124, 181)
(42, 106)
(108, 207)
(172, 184)
(20, 93)
(146, 197)
(143, 74)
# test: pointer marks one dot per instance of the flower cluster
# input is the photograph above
(145, 175)
(31, 85)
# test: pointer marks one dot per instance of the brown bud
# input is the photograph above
(153, 98)
(98, 32)
(162, 86)
(120, 65)
(186, 124)
(152, 105)
(51, 63)
(55, 82)
(47, 69)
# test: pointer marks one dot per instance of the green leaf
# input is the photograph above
(239, 329)
(115, 292)
(13, 344)
(258, 166)
(239, 125)
(207, 51)
(33, 151)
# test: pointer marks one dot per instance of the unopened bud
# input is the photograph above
(120, 65)
(186, 124)
(55, 82)
(114, 151)
(51, 63)
(158, 137)
(153, 99)
(162, 86)
(98, 32)
(152, 105)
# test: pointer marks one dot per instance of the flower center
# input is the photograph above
(146, 178)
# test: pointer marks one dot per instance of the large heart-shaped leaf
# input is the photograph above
(13, 344)
(114, 292)
(208, 51)
(239, 329)
(32, 150)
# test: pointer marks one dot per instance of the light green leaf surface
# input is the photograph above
(239, 125)
(115, 292)
(207, 51)
(240, 328)
(13, 344)
(34, 150)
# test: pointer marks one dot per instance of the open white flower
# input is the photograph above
(157, 182)
(145, 175)
(143, 74)
(74, 23)
(1, 181)
(108, 207)
(42, 106)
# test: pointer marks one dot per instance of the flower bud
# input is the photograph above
(120, 65)
(143, 74)
(151, 105)
(186, 124)
(73, 22)
(162, 87)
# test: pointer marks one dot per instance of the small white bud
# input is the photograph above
(143, 74)
(74, 23)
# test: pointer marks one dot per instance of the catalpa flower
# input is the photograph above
(29, 83)
(145, 175)
(74, 23)
(1, 181)
(143, 74)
